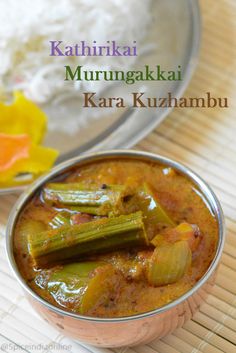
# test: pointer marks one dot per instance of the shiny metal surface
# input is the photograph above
(135, 329)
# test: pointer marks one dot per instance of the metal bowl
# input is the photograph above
(131, 330)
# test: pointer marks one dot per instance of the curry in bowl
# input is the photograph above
(115, 238)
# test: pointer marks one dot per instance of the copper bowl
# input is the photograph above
(131, 330)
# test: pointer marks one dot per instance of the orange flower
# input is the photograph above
(13, 148)
(22, 128)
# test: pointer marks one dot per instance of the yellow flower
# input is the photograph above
(22, 128)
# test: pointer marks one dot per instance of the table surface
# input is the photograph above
(203, 139)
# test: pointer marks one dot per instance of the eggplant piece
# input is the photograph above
(151, 207)
(68, 284)
(102, 289)
(169, 263)
(184, 231)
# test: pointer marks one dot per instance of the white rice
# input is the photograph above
(27, 26)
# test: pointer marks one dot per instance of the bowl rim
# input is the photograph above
(206, 190)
